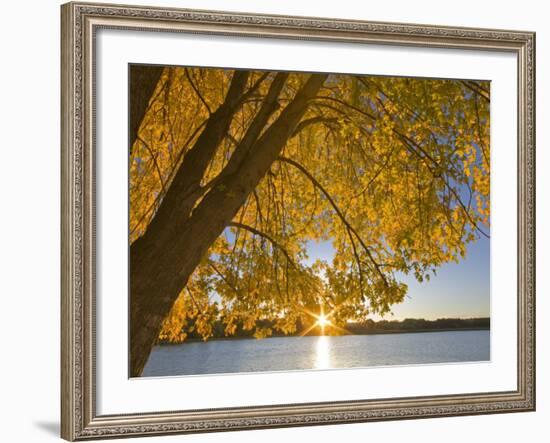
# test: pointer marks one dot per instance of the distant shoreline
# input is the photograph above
(371, 332)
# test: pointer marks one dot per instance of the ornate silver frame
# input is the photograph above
(79, 420)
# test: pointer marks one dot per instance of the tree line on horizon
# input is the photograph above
(360, 328)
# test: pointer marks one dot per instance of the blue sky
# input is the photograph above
(458, 290)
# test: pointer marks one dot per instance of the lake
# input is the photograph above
(324, 352)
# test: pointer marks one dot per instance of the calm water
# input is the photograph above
(289, 353)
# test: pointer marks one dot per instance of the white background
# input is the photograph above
(29, 226)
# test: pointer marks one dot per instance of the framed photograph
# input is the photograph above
(283, 221)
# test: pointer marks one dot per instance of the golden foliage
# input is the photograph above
(393, 171)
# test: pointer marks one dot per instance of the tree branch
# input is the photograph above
(311, 121)
(338, 212)
(224, 278)
(411, 145)
(170, 176)
(193, 165)
(254, 87)
(348, 105)
(476, 89)
(143, 82)
(201, 98)
(154, 157)
(267, 237)
(269, 106)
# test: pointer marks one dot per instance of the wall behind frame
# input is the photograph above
(29, 220)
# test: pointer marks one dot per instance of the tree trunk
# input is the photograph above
(143, 82)
(162, 261)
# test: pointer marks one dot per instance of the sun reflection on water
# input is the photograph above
(322, 355)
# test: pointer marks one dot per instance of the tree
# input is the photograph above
(233, 172)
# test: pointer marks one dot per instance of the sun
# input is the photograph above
(322, 320)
